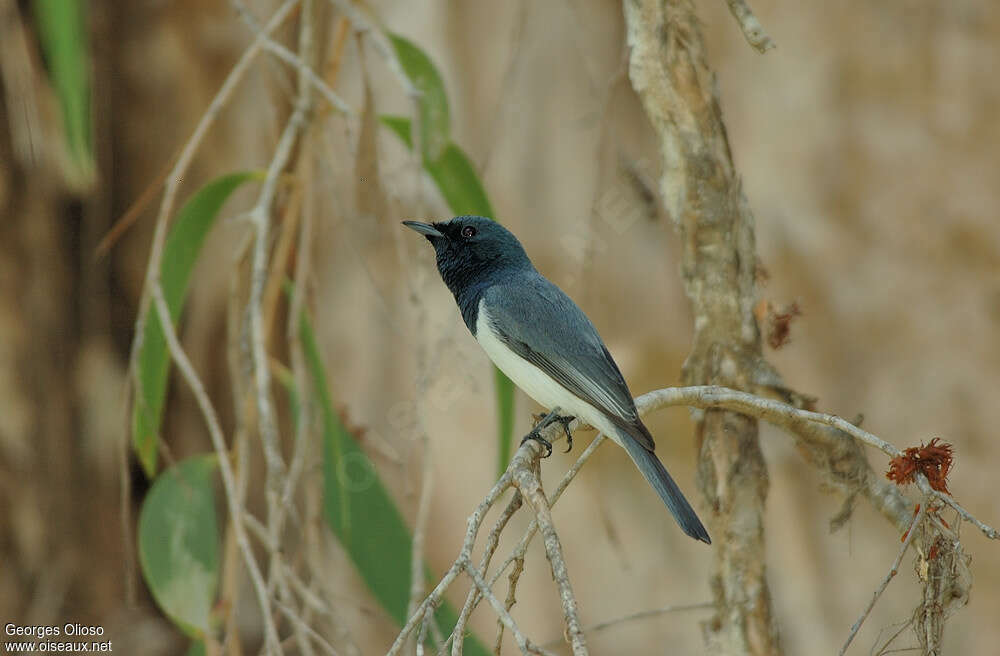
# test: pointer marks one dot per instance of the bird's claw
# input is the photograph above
(534, 435)
(543, 422)
(566, 421)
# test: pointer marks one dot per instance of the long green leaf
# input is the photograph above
(179, 256)
(62, 31)
(179, 543)
(362, 513)
(458, 183)
(434, 113)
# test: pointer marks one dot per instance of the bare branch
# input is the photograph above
(753, 31)
(290, 58)
(988, 531)
(492, 541)
(530, 487)
(225, 467)
(641, 615)
(368, 24)
(910, 534)
(522, 642)
(474, 522)
(522, 546)
(702, 192)
(775, 412)
(792, 419)
(176, 175)
(420, 529)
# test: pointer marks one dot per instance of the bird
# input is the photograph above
(536, 335)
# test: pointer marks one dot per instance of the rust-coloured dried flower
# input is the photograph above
(933, 461)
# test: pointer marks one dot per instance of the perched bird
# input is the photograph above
(545, 344)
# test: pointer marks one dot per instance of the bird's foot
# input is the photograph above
(534, 435)
(543, 422)
(566, 421)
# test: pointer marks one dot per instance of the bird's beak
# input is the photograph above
(425, 229)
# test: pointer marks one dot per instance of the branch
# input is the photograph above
(523, 473)
(434, 598)
(365, 23)
(910, 534)
(702, 192)
(176, 175)
(753, 31)
(492, 541)
(520, 474)
(642, 615)
(225, 467)
(794, 420)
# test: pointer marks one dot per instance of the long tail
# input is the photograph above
(657, 475)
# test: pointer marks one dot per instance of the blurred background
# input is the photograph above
(868, 146)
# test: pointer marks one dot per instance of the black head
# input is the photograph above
(472, 250)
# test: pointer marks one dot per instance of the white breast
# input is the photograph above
(536, 383)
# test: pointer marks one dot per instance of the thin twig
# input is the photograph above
(775, 412)
(306, 629)
(260, 216)
(987, 530)
(474, 522)
(417, 578)
(522, 546)
(290, 58)
(522, 642)
(911, 532)
(752, 30)
(225, 468)
(885, 646)
(362, 22)
(531, 489)
(790, 418)
(521, 474)
(422, 633)
(176, 176)
(640, 615)
(473, 598)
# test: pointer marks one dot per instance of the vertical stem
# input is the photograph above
(703, 195)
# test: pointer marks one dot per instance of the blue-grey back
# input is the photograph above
(540, 322)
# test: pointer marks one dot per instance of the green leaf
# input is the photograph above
(62, 32)
(434, 114)
(361, 512)
(458, 183)
(504, 389)
(179, 256)
(197, 648)
(179, 543)
(452, 172)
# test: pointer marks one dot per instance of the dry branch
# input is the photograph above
(703, 195)
(911, 532)
(753, 31)
(236, 511)
(522, 473)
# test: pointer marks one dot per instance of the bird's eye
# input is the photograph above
(468, 232)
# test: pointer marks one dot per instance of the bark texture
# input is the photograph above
(704, 197)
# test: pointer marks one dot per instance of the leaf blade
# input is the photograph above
(379, 543)
(180, 252)
(434, 116)
(62, 29)
(179, 543)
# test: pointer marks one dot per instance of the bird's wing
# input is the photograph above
(536, 320)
